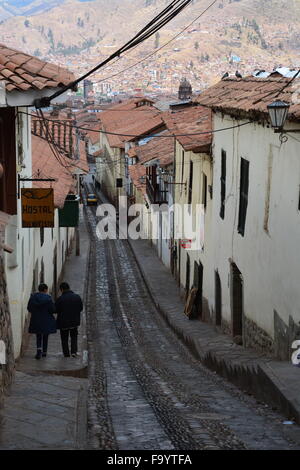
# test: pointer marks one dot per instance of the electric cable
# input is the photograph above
(278, 92)
(53, 146)
(164, 17)
(213, 131)
(158, 49)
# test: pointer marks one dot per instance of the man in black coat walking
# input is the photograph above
(68, 308)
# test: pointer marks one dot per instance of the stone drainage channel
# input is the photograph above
(146, 389)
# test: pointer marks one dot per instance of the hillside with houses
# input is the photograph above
(241, 35)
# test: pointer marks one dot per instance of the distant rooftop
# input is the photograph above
(251, 95)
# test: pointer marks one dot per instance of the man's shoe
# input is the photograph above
(38, 354)
(74, 355)
(67, 355)
(44, 354)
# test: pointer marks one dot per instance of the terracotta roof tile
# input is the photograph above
(99, 153)
(136, 172)
(130, 120)
(17, 68)
(6, 73)
(161, 148)
(17, 58)
(17, 79)
(193, 120)
(23, 86)
(44, 160)
(38, 84)
(251, 95)
(11, 65)
(34, 66)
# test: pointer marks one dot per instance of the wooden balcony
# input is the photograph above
(155, 195)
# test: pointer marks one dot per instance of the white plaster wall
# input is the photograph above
(268, 260)
(27, 247)
(111, 168)
(201, 164)
(19, 264)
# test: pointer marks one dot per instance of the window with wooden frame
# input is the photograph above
(244, 189)
(223, 184)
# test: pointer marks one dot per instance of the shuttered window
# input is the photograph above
(204, 190)
(223, 184)
(244, 187)
(191, 183)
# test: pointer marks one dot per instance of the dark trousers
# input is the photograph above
(42, 342)
(64, 334)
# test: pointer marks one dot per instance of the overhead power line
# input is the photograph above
(160, 48)
(100, 131)
(163, 18)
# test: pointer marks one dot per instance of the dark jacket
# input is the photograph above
(41, 307)
(68, 307)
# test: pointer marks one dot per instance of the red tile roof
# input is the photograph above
(130, 120)
(161, 148)
(193, 120)
(99, 153)
(24, 72)
(93, 136)
(251, 95)
(136, 172)
(44, 161)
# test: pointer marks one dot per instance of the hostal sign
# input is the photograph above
(37, 207)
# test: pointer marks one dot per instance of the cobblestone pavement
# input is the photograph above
(149, 391)
(44, 412)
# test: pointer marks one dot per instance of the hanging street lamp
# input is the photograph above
(278, 112)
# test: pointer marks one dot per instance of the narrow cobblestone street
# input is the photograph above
(145, 389)
(157, 394)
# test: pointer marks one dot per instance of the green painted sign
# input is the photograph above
(69, 215)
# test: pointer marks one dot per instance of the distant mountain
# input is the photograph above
(234, 34)
(9, 8)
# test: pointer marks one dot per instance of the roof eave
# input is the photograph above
(27, 98)
(161, 127)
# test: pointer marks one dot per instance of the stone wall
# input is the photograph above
(284, 335)
(6, 370)
(226, 327)
(256, 338)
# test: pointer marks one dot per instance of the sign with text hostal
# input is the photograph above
(37, 207)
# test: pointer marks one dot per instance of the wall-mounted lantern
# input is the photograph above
(278, 112)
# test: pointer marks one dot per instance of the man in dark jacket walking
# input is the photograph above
(42, 321)
(68, 308)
